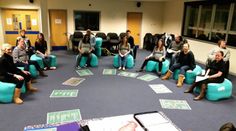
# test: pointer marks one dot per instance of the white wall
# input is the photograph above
(114, 14)
(172, 23)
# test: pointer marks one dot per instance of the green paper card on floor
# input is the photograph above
(73, 81)
(128, 74)
(64, 93)
(147, 77)
(64, 116)
(160, 88)
(85, 72)
(109, 72)
(175, 104)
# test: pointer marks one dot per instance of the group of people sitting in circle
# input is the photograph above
(177, 52)
(11, 59)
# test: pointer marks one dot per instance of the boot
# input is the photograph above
(180, 80)
(190, 89)
(30, 88)
(17, 99)
(41, 73)
(167, 75)
(202, 93)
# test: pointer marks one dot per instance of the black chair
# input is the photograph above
(103, 36)
(148, 41)
(77, 36)
(122, 34)
(114, 40)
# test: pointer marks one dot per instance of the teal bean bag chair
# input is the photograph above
(34, 57)
(98, 49)
(32, 69)
(53, 60)
(154, 66)
(190, 75)
(93, 62)
(7, 91)
(129, 64)
(217, 91)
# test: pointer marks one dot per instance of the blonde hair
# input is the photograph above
(4, 46)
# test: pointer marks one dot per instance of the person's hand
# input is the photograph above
(129, 127)
(19, 77)
(146, 58)
(26, 72)
(160, 59)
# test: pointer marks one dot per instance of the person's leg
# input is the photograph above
(38, 68)
(159, 68)
(27, 79)
(119, 61)
(181, 77)
(170, 71)
(89, 57)
(21, 64)
(46, 62)
(124, 61)
(78, 58)
(135, 48)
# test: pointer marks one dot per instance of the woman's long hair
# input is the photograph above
(125, 43)
(40, 39)
(162, 45)
(84, 40)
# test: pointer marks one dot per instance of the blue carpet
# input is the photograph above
(104, 96)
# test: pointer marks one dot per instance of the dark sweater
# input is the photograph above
(187, 59)
(7, 66)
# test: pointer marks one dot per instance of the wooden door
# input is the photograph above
(134, 23)
(15, 20)
(58, 29)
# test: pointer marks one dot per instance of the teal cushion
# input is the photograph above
(93, 62)
(151, 66)
(98, 42)
(217, 91)
(98, 51)
(129, 64)
(34, 57)
(53, 61)
(154, 66)
(7, 91)
(190, 76)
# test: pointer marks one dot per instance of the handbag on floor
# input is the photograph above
(227, 127)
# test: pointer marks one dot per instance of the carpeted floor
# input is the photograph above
(104, 96)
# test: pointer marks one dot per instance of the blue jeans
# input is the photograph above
(183, 68)
(122, 61)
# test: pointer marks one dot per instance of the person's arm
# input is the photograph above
(218, 74)
(80, 47)
(192, 62)
(211, 54)
(227, 55)
(15, 55)
(128, 50)
(37, 48)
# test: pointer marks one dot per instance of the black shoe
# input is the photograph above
(141, 70)
(159, 74)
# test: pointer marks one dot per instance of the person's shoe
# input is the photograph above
(141, 70)
(78, 67)
(53, 68)
(159, 74)
(198, 98)
(33, 81)
(119, 68)
(123, 68)
(41, 73)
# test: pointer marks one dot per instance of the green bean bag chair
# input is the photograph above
(129, 64)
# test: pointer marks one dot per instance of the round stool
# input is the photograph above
(190, 75)
(34, 57)
(93, 62)
(217, 91)
(129, 63)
